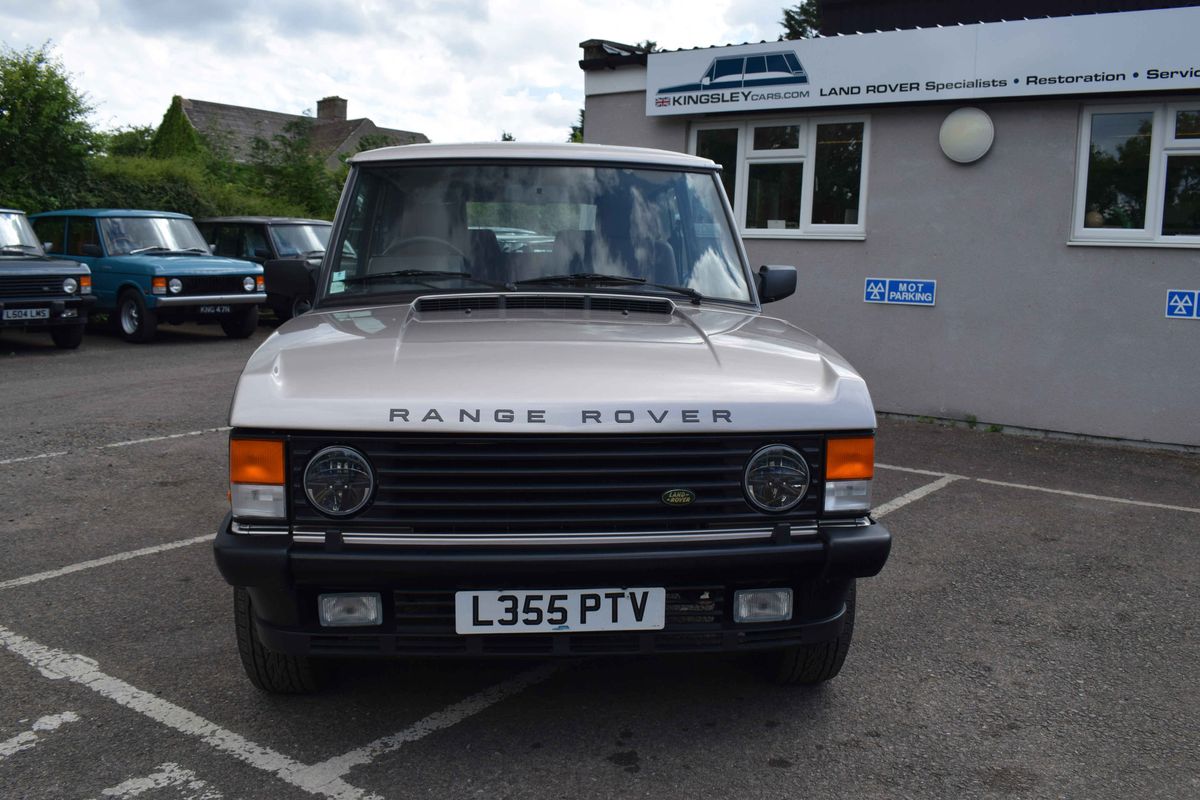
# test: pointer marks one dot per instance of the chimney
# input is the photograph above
(332, 109)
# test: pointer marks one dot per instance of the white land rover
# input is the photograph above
(537, 411)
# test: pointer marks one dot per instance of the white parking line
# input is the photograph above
(1084, 496)
(58, 664)
(338, 766)
(149, 439)
(931, 473)
(100, 562)
(915, 494)
(30, 738)
(145, 440)
(23, 459)
(169, 775)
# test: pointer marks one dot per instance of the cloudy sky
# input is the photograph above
(456, 70)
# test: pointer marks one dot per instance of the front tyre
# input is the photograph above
(809, 664)
(240, 323)
(135, 322)
(67, 337)
(277, 673)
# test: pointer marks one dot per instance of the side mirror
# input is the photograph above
(262, 252)
(775, 283)
(48, 246)
(90, 249)
(212, 247)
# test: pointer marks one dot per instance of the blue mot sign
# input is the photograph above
(900, 291)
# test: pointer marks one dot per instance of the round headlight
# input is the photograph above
(175, 285)
(248, 283)
(338, 481)
(777, 478)
(70, 285)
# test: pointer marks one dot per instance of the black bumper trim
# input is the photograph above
(272, 561)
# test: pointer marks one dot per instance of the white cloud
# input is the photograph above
(456, 70)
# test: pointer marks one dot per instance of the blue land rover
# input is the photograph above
(154, 266)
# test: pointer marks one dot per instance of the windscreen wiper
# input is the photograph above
(154, 248)
(615, 280)
(16, 249)
(421, 273)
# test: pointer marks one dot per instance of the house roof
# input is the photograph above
(236, 127)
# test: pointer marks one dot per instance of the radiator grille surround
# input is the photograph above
(496, 484)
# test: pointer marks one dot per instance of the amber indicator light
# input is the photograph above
(850, 459)
(256, 461)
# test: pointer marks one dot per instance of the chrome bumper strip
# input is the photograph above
(209, 299)
(308, 536)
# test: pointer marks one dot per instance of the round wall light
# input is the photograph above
(967, 134)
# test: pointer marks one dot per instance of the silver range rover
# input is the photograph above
(538, 410)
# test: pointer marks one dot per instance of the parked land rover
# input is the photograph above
(153, 266)
(600, 447)
(289, 249)
(38, 292)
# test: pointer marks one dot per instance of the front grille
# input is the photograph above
(554, 484)
(213, 284)
(31, 286)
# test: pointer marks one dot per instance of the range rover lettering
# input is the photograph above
(598, 445)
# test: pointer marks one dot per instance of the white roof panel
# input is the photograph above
(493, 151)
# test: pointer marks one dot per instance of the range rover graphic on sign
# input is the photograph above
(738, 72)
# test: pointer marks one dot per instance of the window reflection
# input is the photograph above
(1118, 170)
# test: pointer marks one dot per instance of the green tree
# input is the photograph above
(505, 136)
(286, 167)
(133, 140)
(647, 46)
(175, 137)
(577, 130)
(800, 21)
(45, 138)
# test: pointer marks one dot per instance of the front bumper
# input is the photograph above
(72, 310)
(417, 589)
(184, 300)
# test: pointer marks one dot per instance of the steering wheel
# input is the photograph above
(394, 246)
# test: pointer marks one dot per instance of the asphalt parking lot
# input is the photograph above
(1035, 633)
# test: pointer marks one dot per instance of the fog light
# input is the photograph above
(847, 495)
(264, 501)
(70, 313)
(762, 605)
(350, 609)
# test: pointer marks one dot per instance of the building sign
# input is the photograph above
(1181, 304)
(1138, 51)
(900, 291)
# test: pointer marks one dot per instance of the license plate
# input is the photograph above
(215, 309)
(27, 313)
(559, 610)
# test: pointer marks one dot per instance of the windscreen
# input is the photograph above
(16, 234)
(300, 240)
(132, 235)
(464, 227)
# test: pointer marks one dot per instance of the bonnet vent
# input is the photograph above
(550, 302)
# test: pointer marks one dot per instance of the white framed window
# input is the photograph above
(1139, 175)
(792, 177)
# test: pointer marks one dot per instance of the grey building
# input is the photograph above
(996, 222)
(236, 127)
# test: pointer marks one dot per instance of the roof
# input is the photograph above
(10, 211)
(236, 127)
(491, 151)
(111, 212)
(267, 220)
